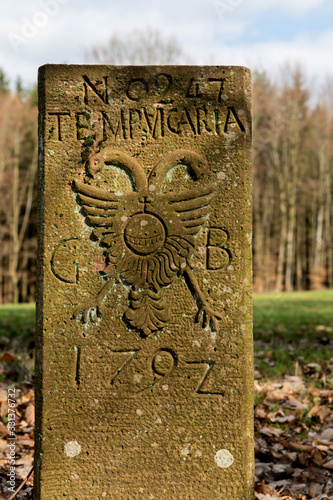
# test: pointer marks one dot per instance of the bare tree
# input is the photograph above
(18, 166)
(293, 167)
(292, 185)
(146, 46)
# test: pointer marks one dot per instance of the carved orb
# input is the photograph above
(144, 234)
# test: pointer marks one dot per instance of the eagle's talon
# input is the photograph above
(208, 317)
(90, 311)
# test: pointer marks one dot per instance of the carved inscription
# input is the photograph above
(141, 119)
(140, 88)
(88, 84)
(160, 368)
(77, 370)
(58, 127)
(65, 260)
(129, 356)
(150, 236)
(217, 255)
(154, 122)
(163, 364)
(208, 366)
(221, 82)
(137, 88)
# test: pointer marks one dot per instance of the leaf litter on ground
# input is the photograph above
(293, 430)
(293, 440)
(13, 367)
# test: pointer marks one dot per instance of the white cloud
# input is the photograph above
(311, 55)
(205, 37)
(287, 6)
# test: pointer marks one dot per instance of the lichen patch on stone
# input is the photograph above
(72, 449)
(224, 459)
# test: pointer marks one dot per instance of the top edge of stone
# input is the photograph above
(123, 66)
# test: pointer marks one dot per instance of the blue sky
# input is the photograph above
(273, 24)
(261, 34)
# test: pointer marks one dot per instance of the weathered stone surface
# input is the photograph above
(144, 348)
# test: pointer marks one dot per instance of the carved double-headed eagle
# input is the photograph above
(150, 236)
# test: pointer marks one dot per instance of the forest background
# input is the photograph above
(292, 175)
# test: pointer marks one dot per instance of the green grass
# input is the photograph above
(17, 332)
(293, 311)
(291, 330)
(17, 322)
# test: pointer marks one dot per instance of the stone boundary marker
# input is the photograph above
(144, 341)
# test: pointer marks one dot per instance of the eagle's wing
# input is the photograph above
(100, 207)
(183, 214)
(191, 207)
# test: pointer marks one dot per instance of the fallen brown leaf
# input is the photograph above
(277, 395)
(314, 410)
(7, 356)
(30, 414)
(329, 464)
(323, 412)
